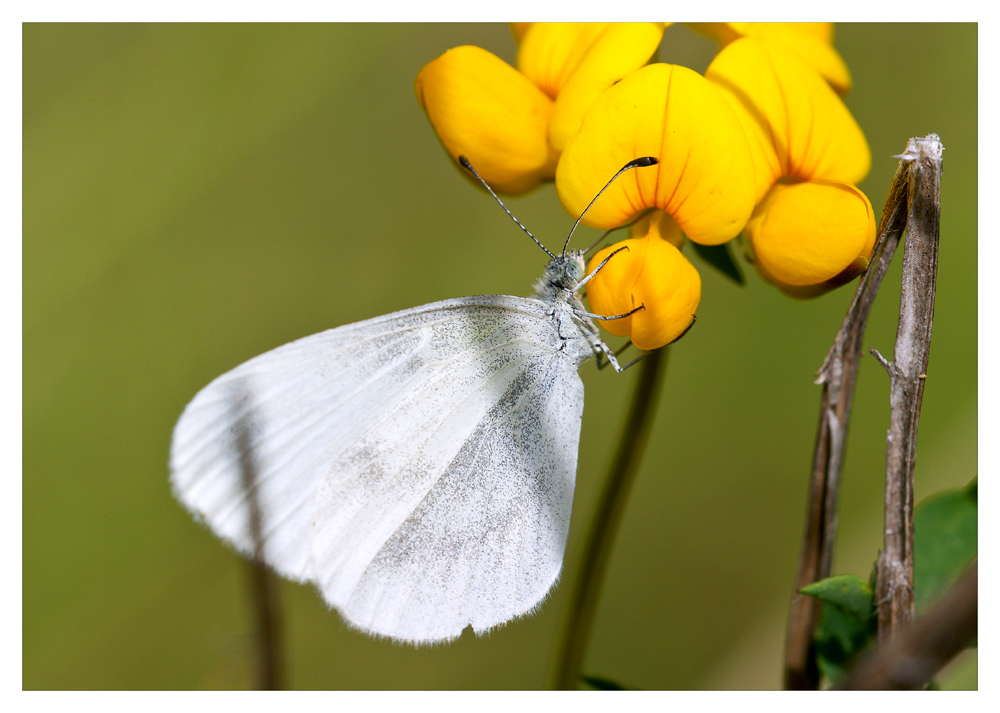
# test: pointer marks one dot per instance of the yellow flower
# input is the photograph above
(763, 128)
(503, 119)
(703, 185)
(828, 227)
(704, 178)
(796, 125)
(482, 108)
(812, 42)
(549, 52)
(593, 58)
(651, 272)
(808, 152)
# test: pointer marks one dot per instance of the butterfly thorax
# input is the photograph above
(556, 287)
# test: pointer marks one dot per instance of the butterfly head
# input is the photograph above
(561, 276)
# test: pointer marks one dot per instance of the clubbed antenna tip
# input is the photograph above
(634, 163)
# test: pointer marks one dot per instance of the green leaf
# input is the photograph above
(825, 657)
(945, 541)
(721, 258)
(603, 684)
(850, 593)
(847, 622)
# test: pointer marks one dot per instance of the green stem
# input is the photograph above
(611, 506)
(263, 591)
(268, 675)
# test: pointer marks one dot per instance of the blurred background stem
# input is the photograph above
(611, 505)
(262, 587)
(268, 673)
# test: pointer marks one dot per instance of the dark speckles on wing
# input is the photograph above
(489, 535)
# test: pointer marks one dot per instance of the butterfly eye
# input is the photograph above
(575, 269)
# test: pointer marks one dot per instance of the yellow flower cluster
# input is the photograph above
(760, 145)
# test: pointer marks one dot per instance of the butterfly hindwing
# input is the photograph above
(418, 467)
(485, 542)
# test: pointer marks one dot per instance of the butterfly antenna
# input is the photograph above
(634, 163)
(468, 167)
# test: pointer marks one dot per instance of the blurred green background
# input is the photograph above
(195, 195)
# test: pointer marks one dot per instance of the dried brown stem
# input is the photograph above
(919, 652)
(894, 588)
(838, 375)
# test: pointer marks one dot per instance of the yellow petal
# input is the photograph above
(549, 52)
(518, 29)
(811, 47)
(658, 224)
(721, 32)
(652, 273)
(621, 48)
(482, 108)
(705, 176)
(795, 123)
(807, 234)
(726, 32)
(812, 42)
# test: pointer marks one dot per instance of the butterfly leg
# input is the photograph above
(605, 356)
(597, 269)
(604, 319)
(602, 349)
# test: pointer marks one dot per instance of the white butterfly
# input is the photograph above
(418, 467)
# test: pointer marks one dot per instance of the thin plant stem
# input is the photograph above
(263, 592)
(838, 375)
(611, 506)
(267, 628)
(907, 376)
